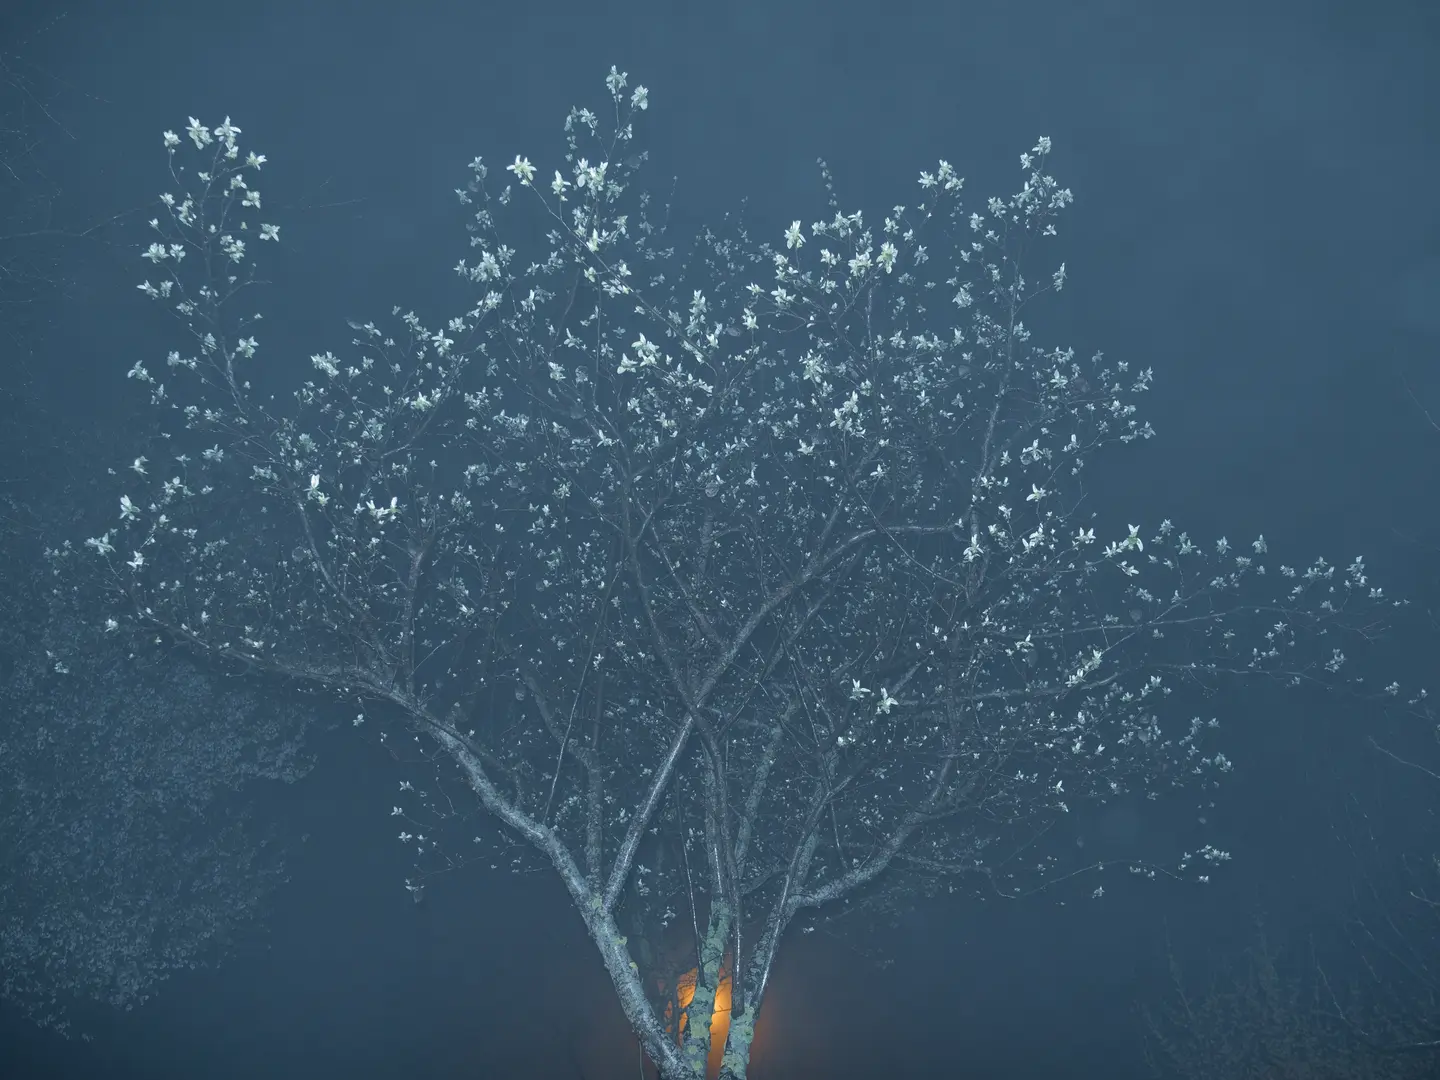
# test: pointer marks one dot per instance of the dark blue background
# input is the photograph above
(1255, 217)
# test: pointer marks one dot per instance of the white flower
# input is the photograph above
(254, 160)
(857, 692)
(171, 139)
(270, 232)
(379, 513)
(128, 510)
(1036, 494)
(199, 134)
(139, 465)
(522, 168)
(136, 562)
(885, 702)
(793, 236)
(111, 625)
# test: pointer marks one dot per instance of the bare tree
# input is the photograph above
(39, 235)
(1395, 929)
(27, 268)
(1366, 1007)
(733, 588)
(1270, 1019)
(1363, 1007)
(1391, 1005)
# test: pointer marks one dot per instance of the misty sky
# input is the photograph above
(1255, 218)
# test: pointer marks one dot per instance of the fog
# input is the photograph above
(1253, 218)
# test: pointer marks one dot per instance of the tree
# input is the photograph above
(1395, 929)
(31, 239)
(28, 193)
(36, 232)
(1392, 1008)
(1270, 1019)
(733, 588)
(128, 849)
(1368, 1009)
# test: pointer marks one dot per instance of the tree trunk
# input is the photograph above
(734, 1063)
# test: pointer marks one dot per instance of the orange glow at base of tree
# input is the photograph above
(719, 1022)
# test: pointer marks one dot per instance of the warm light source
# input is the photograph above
(719, 1022)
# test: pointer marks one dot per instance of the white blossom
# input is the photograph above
(522, 168)
(199, 134)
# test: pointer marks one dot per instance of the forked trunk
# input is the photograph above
(731, 1064)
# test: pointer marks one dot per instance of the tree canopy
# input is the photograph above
(735, 585)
